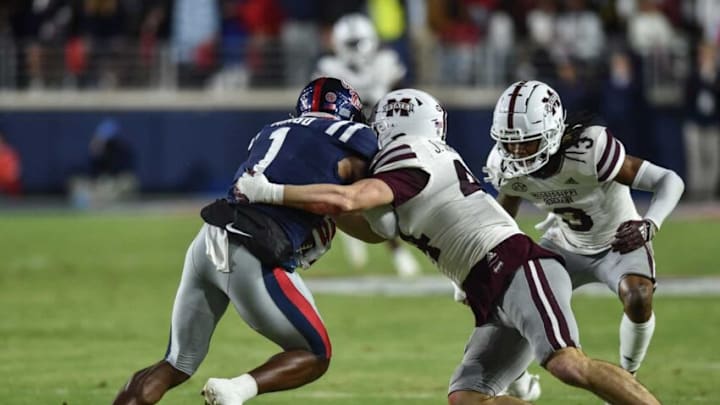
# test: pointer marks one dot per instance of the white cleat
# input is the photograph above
(405, 263)
(526, 388)
(220, 391)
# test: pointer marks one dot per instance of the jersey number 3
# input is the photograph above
(575, 218)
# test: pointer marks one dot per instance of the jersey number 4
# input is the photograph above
(468, 185)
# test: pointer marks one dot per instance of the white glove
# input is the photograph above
(458, 294)
(546, 223)
(256, 188)
(317, 243)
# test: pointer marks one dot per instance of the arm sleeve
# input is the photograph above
(667, 188)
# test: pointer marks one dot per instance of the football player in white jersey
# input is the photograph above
(359, 59)
(581, 176)
(372, 71)
(422, 190)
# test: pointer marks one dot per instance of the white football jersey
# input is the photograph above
(588, 204)
(371, 80)
(452, 220)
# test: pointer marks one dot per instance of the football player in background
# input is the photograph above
(372, 71)
(581, 176)
(518, 291)
(246, 254)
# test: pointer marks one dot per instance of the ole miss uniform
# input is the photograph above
(245, 253)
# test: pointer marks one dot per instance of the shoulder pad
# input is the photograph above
(355, 136)
(396, 155)
(608, 153)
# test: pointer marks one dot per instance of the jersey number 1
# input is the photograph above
(277, 137)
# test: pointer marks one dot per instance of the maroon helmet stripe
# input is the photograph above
(317, 93)
(513, 99)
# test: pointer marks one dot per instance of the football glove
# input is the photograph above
(632, 235)
(256, 188)
(317, 243)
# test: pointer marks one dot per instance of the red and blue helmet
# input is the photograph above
(333, 96)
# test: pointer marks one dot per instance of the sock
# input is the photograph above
(246, 386)
(634, 341)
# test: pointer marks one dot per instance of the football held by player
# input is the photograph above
(518, 291)
(581, 176)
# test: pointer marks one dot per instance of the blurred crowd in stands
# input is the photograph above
(275, 43)
(613, 57)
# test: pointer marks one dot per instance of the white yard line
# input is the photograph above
(437, 285)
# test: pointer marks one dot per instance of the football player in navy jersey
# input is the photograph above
(246, 254)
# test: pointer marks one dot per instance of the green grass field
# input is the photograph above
(86, 301)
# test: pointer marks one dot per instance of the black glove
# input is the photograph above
(632, 235)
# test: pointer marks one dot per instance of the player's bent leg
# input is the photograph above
(278, 305)
(283, 371)
(609, 382)
(636, 294)
(148, 385)
(197, 308)
(290, 369)
(638, 322)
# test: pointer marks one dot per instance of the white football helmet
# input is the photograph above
(408, 112)
(355, 39)
(527, 111)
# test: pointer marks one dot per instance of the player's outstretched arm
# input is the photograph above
(359, 196)
(317, 198)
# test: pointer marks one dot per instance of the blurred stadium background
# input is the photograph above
(88, 272)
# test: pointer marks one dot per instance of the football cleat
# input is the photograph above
(220, 391)
(526, 388)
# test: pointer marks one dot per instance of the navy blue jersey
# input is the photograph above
(304, 150)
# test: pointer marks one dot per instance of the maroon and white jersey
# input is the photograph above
(589, 206)
(439, 204)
